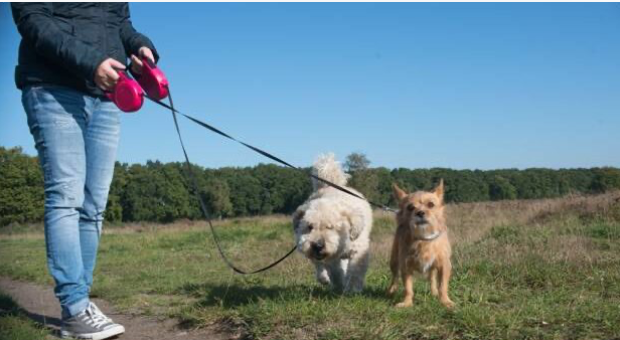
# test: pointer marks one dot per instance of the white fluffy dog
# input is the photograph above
(332, 229)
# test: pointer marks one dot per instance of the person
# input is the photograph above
(68, 57)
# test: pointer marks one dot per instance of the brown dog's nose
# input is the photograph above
(420, 213)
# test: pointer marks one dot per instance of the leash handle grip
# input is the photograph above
(122, 75)
(153, 80)
(148, 62)
(127, 93)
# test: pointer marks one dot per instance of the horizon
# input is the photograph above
(342, 163)
(416, 86)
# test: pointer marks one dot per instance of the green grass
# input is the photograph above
(554, 280)
(14, 325)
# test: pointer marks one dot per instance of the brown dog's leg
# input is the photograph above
(433, 278)
(394, 265)
(408, 283)
(444, 274)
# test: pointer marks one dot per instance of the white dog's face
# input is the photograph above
(320, 232)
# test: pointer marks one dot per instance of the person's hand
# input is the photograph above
(106, 75)
(136, 63)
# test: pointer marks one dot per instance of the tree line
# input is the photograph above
(160, 192)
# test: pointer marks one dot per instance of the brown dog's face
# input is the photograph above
(423, 211)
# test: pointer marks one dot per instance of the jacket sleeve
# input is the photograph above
(36, 25)
(132, 39)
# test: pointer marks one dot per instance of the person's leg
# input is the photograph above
(56, 117)
(101, 140)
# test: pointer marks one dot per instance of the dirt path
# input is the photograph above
(41, 305)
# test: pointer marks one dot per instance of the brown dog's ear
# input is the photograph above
(439, 190)
(399, 193)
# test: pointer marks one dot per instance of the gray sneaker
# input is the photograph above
(90, 324)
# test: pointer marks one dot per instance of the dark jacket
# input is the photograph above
(63, 43)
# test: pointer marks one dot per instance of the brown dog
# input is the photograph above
(421, 243)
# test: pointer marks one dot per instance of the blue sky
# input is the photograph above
(477, 86)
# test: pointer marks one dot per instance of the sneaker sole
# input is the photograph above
(108, 333)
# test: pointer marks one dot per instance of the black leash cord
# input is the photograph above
(202, 203)
(264, 153)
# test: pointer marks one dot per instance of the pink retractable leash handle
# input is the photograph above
(152, 80)
(128, 94)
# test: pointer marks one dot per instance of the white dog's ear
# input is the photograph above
(297, 216)
(355, 225)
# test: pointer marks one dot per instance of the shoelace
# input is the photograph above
(98, 311)
(96, 317)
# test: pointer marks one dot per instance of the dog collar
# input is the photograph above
(430, 237)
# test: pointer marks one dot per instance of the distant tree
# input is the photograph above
(164, 192)
(274, 182)
(383, 193)
(536, 183)
(114, 208)
(578, 180)
(461, 185)
(356, 161)
(501, 189)
(366, 181)
(412, 180)
(201, 178)
(245, 191)
(156, 192)
(605, 179)
(217, 194)
(139, 199)
(21, 187)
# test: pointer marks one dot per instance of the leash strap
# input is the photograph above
(203, 207)
(264, 153)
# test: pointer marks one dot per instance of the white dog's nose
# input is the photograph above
(317, 247)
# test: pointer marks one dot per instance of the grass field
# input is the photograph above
(543, 269)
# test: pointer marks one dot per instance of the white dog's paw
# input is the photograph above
(354, 289)
(354, 285)
(323, 278)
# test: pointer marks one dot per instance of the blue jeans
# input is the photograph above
(76, 137)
